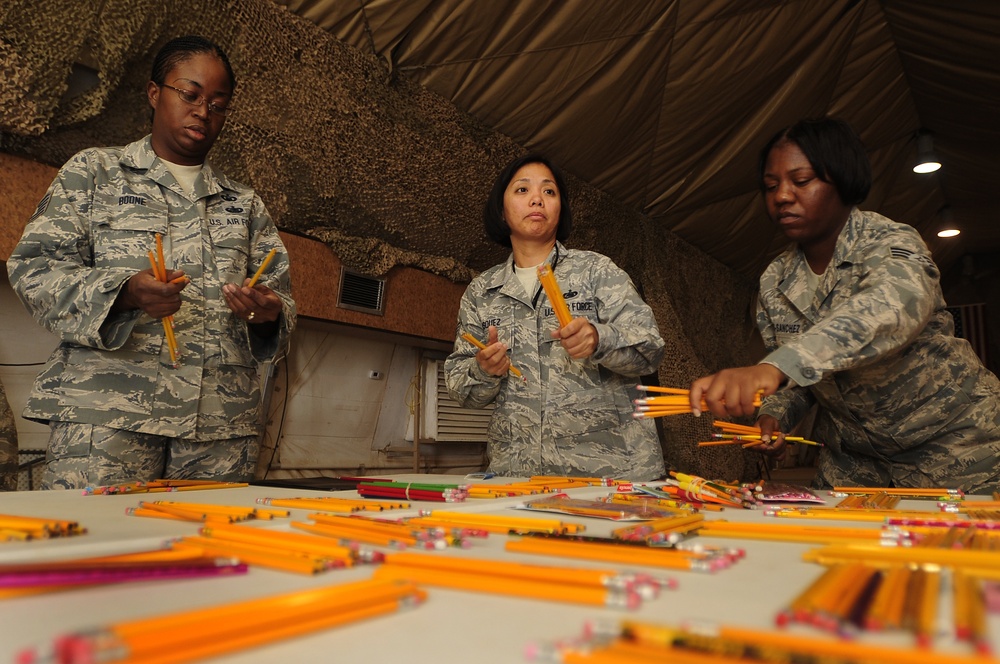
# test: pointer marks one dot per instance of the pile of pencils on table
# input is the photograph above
(700, 492)
(701, 643)
(747, 436)
(200, 633)
(447, 493)
(17, 528)
(160, 486)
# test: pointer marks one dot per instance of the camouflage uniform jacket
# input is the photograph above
(8, 445)
(568, 417)
(902, 401)
(91, 232)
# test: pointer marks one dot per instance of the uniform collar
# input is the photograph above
(140, 156)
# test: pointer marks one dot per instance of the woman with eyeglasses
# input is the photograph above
(562, 390)
(140, 258)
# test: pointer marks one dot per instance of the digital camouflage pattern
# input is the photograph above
(88, 455)
(91, 232)
(902, 401)
(8, 445)
(568, 417)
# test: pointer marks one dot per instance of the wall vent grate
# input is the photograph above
(359, 292)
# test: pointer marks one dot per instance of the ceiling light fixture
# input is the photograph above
(947, 223)
(927, 160)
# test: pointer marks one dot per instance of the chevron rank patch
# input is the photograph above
(900, 252)
(41, 206)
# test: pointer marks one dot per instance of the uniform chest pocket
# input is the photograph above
(124, 234)
(231, 243)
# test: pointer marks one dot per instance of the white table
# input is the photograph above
(451, 627)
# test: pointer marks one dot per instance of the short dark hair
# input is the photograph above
(180, 49)
(835, 153)
(496, 226)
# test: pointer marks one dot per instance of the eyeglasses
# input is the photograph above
(196, 99)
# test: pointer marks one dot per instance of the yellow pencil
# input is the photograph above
(263, 266)
(480, 345)
(547, 277)
(168, 327)
(518, 587)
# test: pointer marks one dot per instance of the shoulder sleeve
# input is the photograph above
(52, 267)
(893, 292)
(629, 341)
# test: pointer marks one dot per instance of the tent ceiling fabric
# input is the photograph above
(664, 104)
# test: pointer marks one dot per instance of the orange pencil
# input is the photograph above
(168, 327)
(547, 277)
(559, 592)
(480, 345)
(263, 265)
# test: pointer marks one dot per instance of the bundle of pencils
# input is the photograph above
(334, 504)
(201, 633)
(700, 490)
(985, 564)
(447, 493)
(894, 517)
(159, 269)
(853, 596)
(608, 550)
(283, 551)
(671, 401)
(494, 523)
(355, 530)
(598, 508)
(809, 534)
(934, 493)
(547, 278)
(113, 566)
(558, 482)
(599, 587)
(656, 502)
(879, 501)
(671, 496)
(19, 528)
(747, 436)
(641, 642)
(201, 512)
(160, 486)
(64, 574)
(669, 530)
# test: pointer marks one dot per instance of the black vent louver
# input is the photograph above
(359, 292)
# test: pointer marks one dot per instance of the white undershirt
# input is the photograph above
(528, 276)
(185, 176)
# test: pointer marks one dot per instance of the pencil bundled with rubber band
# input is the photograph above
(670, 401)
(747, 436)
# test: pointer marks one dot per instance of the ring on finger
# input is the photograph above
(252, 314)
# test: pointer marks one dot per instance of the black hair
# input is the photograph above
(496, 226)
(835, 153)
(180, 49)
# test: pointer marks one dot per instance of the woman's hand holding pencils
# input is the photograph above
(159, 269)
(481, 346)
(747, 436)
(670, 401)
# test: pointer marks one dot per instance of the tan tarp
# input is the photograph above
(664, 104)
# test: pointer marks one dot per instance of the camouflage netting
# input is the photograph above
(343, 150)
